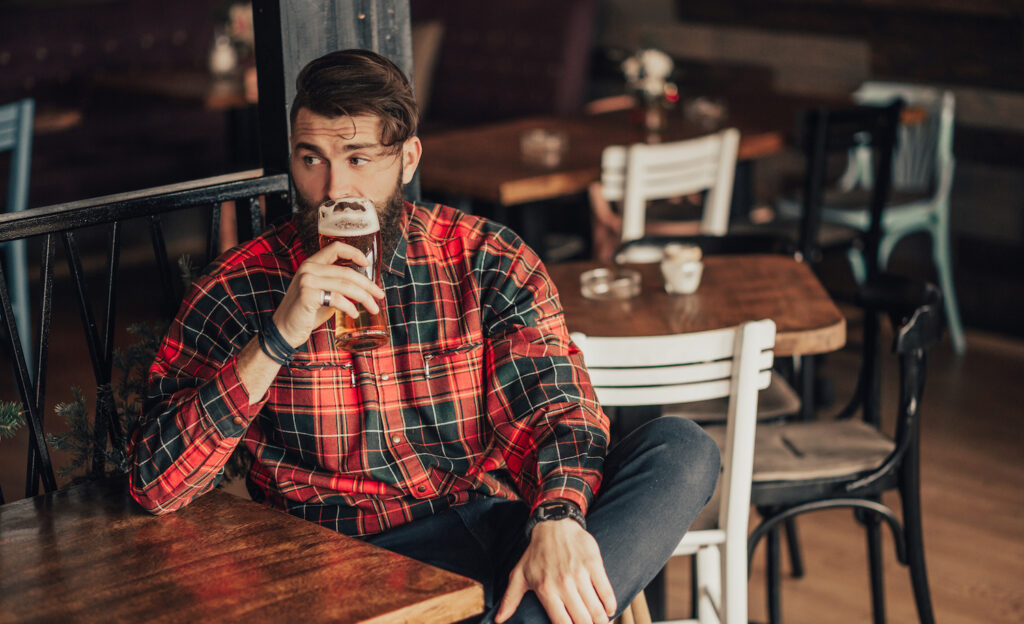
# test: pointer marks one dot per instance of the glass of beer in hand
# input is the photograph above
(353, 221)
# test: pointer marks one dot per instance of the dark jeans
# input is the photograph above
(655, 483)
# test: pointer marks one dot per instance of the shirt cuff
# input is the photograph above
(226, 401)
(563, 487)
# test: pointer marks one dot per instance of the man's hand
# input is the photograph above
(563, 566)
(302, 310)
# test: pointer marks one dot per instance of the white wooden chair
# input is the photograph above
(655, 370)
(637, 174)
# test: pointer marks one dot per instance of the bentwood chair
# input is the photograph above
(654, 370)
(637, 174)
(16, 137)
(800, 467)
(922, 178)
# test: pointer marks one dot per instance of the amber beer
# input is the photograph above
(353, 221)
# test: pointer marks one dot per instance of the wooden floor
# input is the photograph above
(973, 492)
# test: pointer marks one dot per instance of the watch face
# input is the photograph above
(555, 510)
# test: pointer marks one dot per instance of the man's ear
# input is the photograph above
(412, 149)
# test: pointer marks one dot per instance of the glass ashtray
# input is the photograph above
(610, 283)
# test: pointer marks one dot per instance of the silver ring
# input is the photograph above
(325, 298)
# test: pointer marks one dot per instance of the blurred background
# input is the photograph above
(135, 93)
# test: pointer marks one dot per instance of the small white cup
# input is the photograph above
(682, 268)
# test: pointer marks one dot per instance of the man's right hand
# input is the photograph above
(302, 310)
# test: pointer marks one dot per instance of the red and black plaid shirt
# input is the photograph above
(481, 392)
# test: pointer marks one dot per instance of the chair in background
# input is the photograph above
(16, 137)
(640, 173)
(825, 132)
(922, 177)
(807, 466)
(656, 370)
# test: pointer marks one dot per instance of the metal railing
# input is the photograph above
(63, 221)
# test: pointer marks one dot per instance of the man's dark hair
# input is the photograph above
(359, 82)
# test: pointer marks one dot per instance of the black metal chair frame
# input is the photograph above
(915, 310)
(823, 132)
(62, 221)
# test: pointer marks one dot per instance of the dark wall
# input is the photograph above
(976, 43)
(53, 51)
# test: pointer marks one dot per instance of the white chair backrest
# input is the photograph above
(653, 370)
(924, 151)
(639, 173)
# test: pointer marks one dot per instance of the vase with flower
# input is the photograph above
(647, 75)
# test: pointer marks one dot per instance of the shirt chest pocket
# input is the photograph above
(445, 385)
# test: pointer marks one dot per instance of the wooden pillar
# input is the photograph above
(290, 33)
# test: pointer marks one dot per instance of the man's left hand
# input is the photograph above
(563, 566)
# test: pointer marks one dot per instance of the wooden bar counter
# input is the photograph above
(91, 554)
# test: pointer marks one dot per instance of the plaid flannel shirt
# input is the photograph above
(480, 393)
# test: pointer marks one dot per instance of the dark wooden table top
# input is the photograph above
(91, 554)
(733, 290)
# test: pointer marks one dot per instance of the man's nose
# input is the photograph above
(340, 183)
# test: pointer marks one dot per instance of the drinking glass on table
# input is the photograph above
(353, 221)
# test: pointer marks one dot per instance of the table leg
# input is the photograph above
(742, 192)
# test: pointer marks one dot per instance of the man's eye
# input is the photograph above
(311, 160)
(358, 160)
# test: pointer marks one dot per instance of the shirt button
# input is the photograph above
(237, 420)
(421, 489)
(396, 439)
(385, 377)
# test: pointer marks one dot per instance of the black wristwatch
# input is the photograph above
(555, 510)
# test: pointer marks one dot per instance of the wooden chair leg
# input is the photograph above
(796, 559)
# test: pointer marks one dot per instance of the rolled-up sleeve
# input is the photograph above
(197, 409)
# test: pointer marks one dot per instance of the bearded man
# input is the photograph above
(472, 441)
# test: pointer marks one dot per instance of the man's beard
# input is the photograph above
(388, 215)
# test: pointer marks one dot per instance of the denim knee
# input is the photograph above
(685, 454)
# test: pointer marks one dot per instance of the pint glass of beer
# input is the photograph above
(353, 221)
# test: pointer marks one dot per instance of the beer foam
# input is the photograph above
(348, 216)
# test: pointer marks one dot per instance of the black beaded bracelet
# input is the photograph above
(274, 345)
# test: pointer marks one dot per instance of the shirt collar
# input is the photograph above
(397, 263)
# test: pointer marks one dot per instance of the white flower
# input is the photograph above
(647, 71)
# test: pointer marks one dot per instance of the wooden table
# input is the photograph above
(733, 289)
(90, 554)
